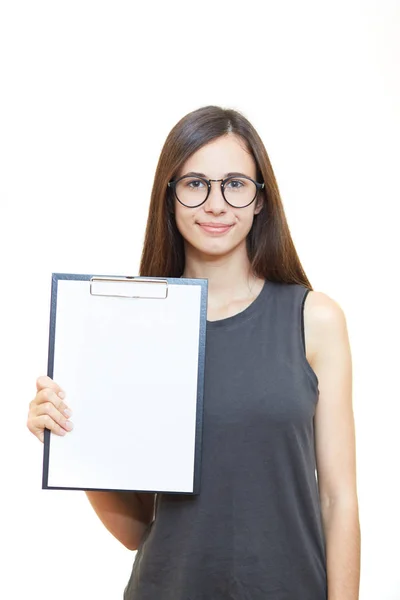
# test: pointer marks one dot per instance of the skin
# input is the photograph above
(222, 259)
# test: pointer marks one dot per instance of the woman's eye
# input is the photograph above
(235, 184)
(195, 184)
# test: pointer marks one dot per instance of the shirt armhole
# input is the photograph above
(307, 365)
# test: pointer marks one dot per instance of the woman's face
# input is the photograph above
(216, 160)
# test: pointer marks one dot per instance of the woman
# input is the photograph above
(277, 396)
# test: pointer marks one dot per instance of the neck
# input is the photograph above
(229, 277)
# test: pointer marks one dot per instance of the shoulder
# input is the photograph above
(321, 307)
(324, 322)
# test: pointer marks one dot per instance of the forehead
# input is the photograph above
(224, 155)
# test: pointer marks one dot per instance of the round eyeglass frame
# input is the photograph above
(172, 184)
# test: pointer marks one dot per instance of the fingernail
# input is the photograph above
(69, 425)
(61, 395)
(67, 413)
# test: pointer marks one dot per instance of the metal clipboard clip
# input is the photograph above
(129, 287)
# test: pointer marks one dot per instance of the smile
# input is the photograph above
(215, 229)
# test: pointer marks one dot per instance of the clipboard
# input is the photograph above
(129, 353)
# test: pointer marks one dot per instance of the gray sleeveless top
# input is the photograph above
(255, 530)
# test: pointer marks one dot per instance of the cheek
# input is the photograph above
(246, 220)
(179, 224)
(183, 218)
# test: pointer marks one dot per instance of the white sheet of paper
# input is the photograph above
(129, 367)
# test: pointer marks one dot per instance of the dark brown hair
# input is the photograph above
(270, 246)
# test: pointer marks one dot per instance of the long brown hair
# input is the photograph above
(270, 246)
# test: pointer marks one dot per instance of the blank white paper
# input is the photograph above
(129, 367)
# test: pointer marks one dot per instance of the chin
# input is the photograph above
(214, 248)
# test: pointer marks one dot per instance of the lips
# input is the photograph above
(215, 227)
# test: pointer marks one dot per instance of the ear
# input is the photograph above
(259, 205)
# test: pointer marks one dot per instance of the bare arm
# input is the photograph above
(126, 515)
(335, 445)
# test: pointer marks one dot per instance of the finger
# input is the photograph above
(44, 381)
(48, 395)
(47, 408)
(37, 425)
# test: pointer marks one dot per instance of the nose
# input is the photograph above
(215, 202)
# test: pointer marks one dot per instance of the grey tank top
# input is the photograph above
(255, 530)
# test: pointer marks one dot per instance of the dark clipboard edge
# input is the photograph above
(200, 381)
(50, 368)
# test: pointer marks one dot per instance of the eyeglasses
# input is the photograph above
(239, 191)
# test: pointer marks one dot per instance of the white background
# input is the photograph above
(89, 91)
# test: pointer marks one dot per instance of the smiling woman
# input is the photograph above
(277, 392)
(217, 152)
(204, 209)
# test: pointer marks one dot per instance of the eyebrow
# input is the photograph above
(231, 174)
